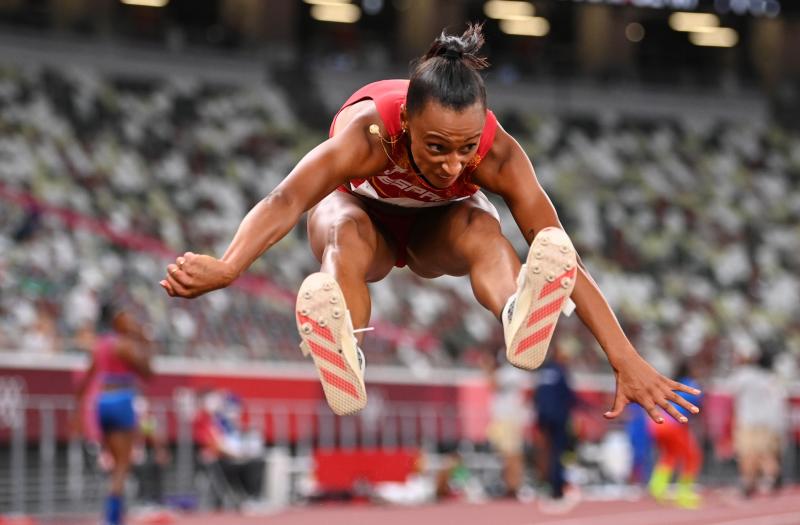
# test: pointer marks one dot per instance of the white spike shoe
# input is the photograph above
(327, 335)
(544, 285)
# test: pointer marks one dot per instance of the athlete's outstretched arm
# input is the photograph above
(515, 181)
(350, 154)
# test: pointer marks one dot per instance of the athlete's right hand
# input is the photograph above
(192, 275)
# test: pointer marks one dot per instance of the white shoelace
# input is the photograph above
(362, 361)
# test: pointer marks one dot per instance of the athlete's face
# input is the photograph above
(444, 140)
(125, 323)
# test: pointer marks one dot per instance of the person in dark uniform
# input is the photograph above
(554, 400)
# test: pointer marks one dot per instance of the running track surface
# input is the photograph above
(719, 508)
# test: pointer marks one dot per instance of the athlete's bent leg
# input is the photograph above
(349, 247)
(352, 251)
(465, 238)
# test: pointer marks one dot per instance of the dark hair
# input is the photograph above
(105, 319)
(766, 360)
(683, 369)
(110, 308)
(448, 72)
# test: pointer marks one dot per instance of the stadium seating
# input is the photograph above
(689, 229)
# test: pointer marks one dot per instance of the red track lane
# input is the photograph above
(719, 508)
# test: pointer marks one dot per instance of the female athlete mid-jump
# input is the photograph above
(399, 182)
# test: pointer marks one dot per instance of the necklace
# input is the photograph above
(374, 129)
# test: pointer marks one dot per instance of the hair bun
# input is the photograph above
(451, 53)
(460, 48)
(448, 73)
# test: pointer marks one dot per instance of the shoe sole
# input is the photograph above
(550, 273)
(321, 315)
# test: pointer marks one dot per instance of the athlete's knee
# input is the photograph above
(349, 246)
(347, 232)
(481, 236)
(481, 221)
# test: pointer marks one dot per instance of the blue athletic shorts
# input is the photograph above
(115, 410)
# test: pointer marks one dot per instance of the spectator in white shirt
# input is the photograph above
(760, 415)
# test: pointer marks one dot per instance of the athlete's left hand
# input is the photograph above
(640, 383)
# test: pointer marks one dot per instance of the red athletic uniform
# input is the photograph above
(111, 368)
(677, 446)
(398, 184)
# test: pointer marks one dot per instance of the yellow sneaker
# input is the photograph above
(327, 335)
(687, 497)
(544, 285)
(659, 482)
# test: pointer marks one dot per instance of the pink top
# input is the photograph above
(109, 365)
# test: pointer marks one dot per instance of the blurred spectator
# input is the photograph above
(454, 480)
(228, 453)
(418, 488)
(641, 443)
(554, 400)
(677, 449)
(760, 419)
(151, 455)
(43, 336)
(508, 418)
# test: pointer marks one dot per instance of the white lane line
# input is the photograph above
(674, 516)
(623, 518)
(787, 518)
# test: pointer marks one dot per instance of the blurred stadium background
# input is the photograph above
(665, 131)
